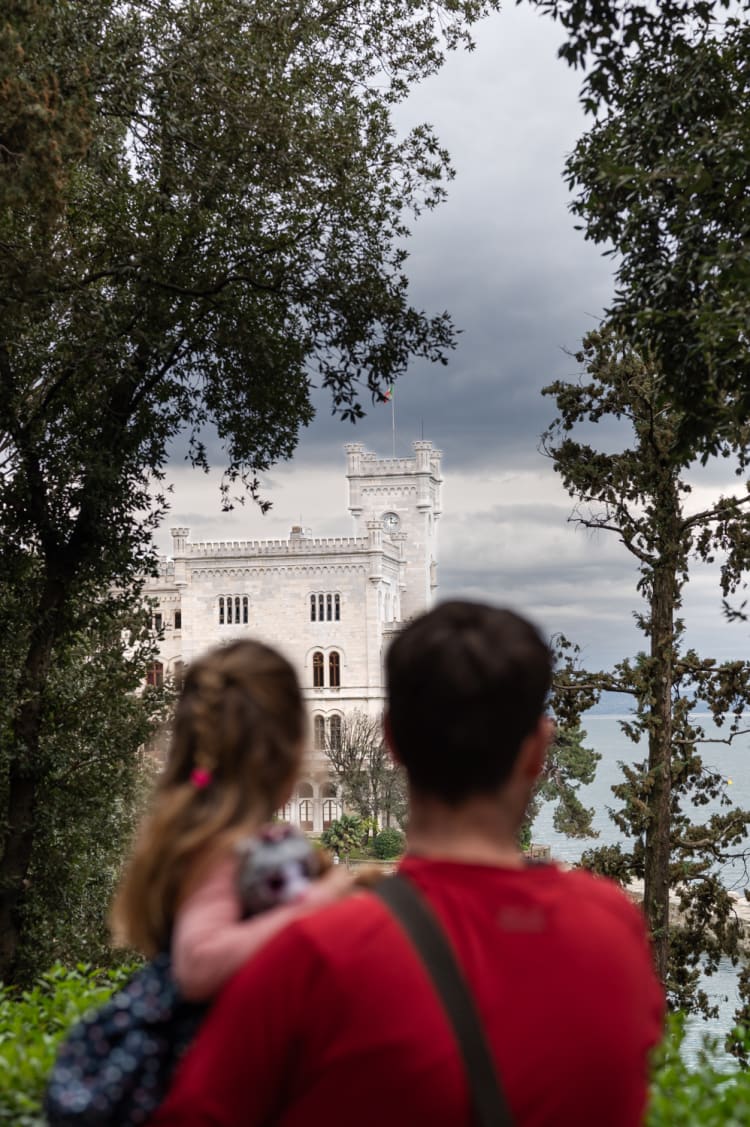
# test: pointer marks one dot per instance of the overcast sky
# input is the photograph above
(523, 286)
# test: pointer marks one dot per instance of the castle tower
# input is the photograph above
(405, 495)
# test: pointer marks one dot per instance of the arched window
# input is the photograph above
(237, 603)
(244, 609)
(306, 814)
(337, 608)
(334, 732)
(221, 610)
(155, 675)
(305, 790)
(318, 670)
(178, 620)
(320, 608)
(230, 606)
(334, 670)
(313, 600)
(329, 608)
(158, 621)
(319, 733)
(329, 813)
(328, 790)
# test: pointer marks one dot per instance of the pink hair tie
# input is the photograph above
(201, 777)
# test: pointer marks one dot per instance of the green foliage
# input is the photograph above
(707, 1091)
(661, 179)
(31, 1024)
(388, 844)
(344, 836)
(660, 183)
(93, 777)
(569, 765)
(638, 493)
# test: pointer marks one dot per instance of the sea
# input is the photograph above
(605, 735)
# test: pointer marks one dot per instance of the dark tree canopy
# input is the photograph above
(203, 210)
(660, 181)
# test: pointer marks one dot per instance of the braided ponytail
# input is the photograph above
(236, 747)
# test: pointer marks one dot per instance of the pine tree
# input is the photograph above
(641, 495)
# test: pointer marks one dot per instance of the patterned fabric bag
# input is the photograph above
(115, 1065)
(114, 1068)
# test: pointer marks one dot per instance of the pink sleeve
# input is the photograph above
(210, 941)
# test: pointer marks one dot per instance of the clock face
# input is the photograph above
(390, 522)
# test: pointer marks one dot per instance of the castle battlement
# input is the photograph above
(295, 546)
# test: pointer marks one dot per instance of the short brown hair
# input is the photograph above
(466, 685)
(241, 717)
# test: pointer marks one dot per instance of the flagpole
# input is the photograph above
(393, 423)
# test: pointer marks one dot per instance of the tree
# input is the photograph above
(93, 776)
(660, 182)
(568, 766)
(370, 781)
(640, 494)
(203, 206)
(344, 836)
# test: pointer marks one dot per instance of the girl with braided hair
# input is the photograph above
(237, 746)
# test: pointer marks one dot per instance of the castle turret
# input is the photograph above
(405, 495)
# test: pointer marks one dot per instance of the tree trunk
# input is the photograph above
(658, 829)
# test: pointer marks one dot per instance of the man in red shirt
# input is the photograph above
(335, 1020)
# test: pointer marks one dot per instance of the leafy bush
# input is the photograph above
(31, 1024)
(388, 844)
(710, 1091)
(344, 836)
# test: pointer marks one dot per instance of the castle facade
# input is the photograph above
(329, 604)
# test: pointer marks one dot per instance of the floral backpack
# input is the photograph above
(114, 1067)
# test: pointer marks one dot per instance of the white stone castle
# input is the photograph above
(330, 604)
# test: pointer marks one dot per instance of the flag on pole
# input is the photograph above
(388, 394)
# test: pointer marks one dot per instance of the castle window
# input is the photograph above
(319, 733)
(155, 675)
(329, 812)
(334, 732)
(233, 609)
(306, 814)
(325, 607)
(334, 670)
(178, 620)
(318, 670)
(158, 621)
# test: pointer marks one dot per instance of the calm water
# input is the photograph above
(733, 762)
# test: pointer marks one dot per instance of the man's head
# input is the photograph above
(466, 687)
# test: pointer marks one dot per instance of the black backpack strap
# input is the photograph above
(430, 942)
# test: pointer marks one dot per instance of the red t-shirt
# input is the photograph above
(335, 1022)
